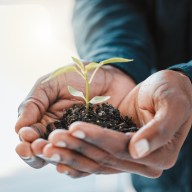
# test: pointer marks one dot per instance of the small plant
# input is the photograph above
(83, 71)
(104, 115)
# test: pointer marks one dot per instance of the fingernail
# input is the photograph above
(28, 159)
(25, 158)
(55, 158)
(61, 144)
(79, 134)
(43, 157)
(40, 155)
(141, 148)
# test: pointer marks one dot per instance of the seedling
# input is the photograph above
(83, 71)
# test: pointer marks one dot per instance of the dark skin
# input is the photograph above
(45, 104)
(154, 105)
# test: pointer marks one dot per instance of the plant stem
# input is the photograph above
(87, 91)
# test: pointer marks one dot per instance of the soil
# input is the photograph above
(104, 115)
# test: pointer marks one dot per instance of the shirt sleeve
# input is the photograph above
(186, 68)
(115, 28)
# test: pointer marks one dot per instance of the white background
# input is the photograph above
(35, 38)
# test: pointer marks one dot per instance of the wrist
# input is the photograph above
(183, 75)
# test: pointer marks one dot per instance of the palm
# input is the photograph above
(49, 99)
(151, 98)
(141, 104)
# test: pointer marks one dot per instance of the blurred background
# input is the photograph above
(35, 38)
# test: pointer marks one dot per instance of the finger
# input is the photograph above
(158, 131)
(70, 158)
(166, 156)
(64, 169)
(63, 139)
(113, 142)
(36, 130)
(28, 134)
(24, 151)
(33, 132)
(74, 160)
(38, 145)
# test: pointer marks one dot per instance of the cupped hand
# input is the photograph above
(161, 106)
(47, 100)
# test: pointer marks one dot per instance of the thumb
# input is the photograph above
(156, 133)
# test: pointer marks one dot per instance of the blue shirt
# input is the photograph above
(156, 34)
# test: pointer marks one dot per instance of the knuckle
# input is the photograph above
(107, 160)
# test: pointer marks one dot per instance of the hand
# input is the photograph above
(161, 106)
(46, 101)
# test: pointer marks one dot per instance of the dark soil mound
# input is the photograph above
(104, 115)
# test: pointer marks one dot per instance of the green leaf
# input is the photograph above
(99, 99)
(91, 66)
(60, 71)
(94, 72)
(116, 60)
(107, 61)
(79, 63)
(75, 92)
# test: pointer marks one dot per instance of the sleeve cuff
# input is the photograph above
(135, 69)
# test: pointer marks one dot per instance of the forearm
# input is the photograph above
(115, 28)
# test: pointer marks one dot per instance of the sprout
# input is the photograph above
(83, 70)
